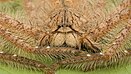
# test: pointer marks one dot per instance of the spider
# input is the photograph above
(71, 32)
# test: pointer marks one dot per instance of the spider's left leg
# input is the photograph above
(113, 55)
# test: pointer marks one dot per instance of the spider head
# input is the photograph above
(65, 30)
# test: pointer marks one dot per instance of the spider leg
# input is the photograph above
(44, 40)
(121, 13)
(108, 57)
(119, 40)
(90, 45)
(18, 27)
(91, 61)
(25, 61)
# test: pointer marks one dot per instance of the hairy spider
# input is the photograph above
(73, 33)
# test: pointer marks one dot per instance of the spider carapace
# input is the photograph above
(66, 31)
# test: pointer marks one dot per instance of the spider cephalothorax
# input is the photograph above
(64, 31)
(75, 34)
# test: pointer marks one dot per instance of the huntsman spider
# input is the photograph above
(71, 34)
